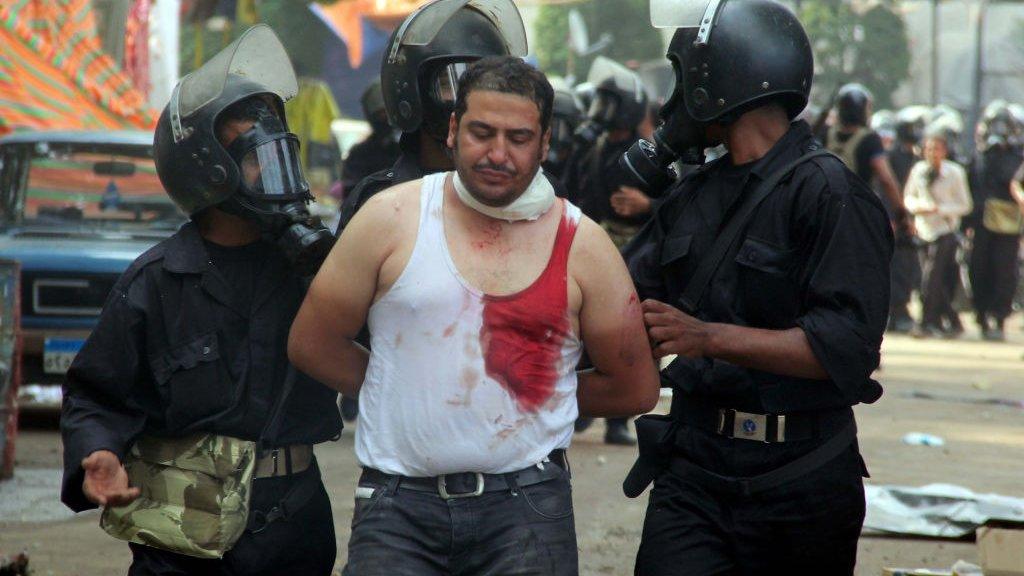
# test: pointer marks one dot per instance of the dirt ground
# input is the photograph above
(984, 451)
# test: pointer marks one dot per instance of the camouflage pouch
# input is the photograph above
(194, 494)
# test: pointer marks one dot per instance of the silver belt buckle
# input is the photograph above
(747, 426)
(443, 490)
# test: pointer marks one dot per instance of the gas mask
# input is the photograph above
(680, 138)
(272, 191)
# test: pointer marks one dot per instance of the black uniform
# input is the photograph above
(815, 255)
(193, 338)
(377, 152)
(594, 179)
(906, 264)
(867, 148)
(405, 169)
(993, 266)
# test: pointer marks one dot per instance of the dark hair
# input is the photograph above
(508, 75)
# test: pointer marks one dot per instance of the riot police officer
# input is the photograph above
(566, 116)
(188, 366)
(767, 272)
(861, 148)
(380, 148)
(618, 108)
(419, 76)
(996, 221)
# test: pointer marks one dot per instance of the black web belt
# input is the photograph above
(748, 486)
(471, 484)
(771, 428)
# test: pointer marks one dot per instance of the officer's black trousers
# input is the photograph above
(303, 544)
(994, 273)
(809, 526)
(906, 277)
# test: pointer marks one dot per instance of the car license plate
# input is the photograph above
(58, 353)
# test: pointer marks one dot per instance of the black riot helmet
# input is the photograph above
(372, 102)
(999, 126)
(620, 100)
(910, 122)
(566, 114)
(853, 105)
(257, 176)
(429, 51)
(729, 57)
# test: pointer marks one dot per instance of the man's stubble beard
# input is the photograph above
(465, 171)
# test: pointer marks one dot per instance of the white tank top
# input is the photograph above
(460, 381)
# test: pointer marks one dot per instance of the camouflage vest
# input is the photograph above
(194, 494)
(847, 151)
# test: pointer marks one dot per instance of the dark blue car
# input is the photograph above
(76, 208)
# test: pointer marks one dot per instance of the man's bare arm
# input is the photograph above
(321, 342)
(784, 352)
(624, 381)
(880, 166)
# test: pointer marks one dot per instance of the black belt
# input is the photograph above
(470, 484)
(306, 486)
(747, 486)
(771, 428)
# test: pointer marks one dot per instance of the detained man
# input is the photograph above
(480, 289)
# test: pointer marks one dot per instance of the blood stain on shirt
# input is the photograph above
(522, 334)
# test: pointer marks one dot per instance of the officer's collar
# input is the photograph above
(789, 147)
(186, 253)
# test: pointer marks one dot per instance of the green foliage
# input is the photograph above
(551, 33)
(300, 31)
(627, 21)
(868, 47)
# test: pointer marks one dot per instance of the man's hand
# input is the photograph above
(672, 331)
(106, 482)
(628, 202)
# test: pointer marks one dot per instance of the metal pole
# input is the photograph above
(935, 52)
(979, 67)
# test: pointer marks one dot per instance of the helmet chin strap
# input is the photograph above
(530, 205)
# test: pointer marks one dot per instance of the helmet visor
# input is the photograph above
(272, 170)
(604, 108)
(679, 13)
(257, 55)
(422, 26)
(609, 74)
(445, 84)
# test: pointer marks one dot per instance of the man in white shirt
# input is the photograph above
(937, 195)
(479, 288)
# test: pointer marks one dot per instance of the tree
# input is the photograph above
(867, 46)
(628, 22)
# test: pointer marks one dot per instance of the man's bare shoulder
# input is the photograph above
(389, 208)
(592, 250)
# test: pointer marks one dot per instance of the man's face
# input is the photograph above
(230, 130)
(498, 145)
(935, 151)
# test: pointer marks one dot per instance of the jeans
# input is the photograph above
(526, 531)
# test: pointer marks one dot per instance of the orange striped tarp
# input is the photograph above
(55, 75)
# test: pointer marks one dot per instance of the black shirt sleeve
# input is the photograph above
(870, 148)
(98, 412)
(846, 283)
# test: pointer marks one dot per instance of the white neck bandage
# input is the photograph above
(531, 205)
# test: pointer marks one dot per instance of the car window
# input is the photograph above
(116, 188)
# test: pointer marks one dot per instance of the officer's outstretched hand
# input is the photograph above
(106, 482)
(672, 331)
